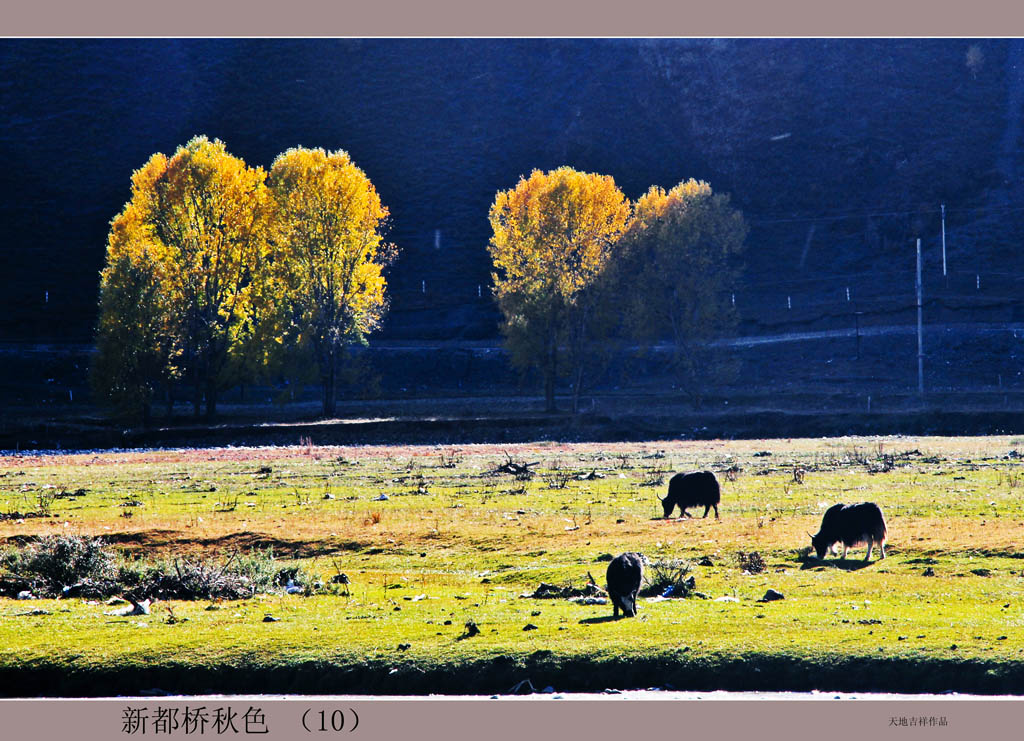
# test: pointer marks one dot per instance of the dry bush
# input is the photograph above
(45, 498)
(662, 574)
(558, 478)
(82, 566)
(449, 458)
(57, 561)
(654, 476)
(752, 563)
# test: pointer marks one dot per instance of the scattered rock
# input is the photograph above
(928, 572)
(404, 646)
(340, 579)
(25, 594)
(380, 498)
(706, 561)
(981, 572)
(36, 611)
(604, 557)
(271, 619)
(529, 626)
(726, 598)
(471, 629)
(771, 595)
(447, 622)
(535, 613)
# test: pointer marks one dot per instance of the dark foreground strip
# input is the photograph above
(497, 675)
(560, 427)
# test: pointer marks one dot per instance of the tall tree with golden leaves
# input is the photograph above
(329, 256)
(678, 269)
(135, 328)
(198, 219)
(554, 235)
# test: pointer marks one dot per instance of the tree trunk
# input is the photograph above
(329, 381)
(197, 399)
(550, 368)
(211, 399)
(577, 386)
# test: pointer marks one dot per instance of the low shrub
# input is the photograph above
(663, 574)
(54, 562)
(76, 566)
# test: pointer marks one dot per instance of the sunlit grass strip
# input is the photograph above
(455, 541)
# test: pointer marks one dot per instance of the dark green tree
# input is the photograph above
(677, 270)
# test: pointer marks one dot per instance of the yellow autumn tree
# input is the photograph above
(135, 327)
(677, 271)
(329, 257)
(554, 235)
(198, 221)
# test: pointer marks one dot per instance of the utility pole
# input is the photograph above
(944, 241)
(920, 353)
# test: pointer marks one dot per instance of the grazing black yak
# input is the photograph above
(625, 573)
(850, 524)
(695, 489)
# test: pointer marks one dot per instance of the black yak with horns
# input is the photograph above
(695, 489)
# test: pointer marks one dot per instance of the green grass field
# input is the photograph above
(456, 540)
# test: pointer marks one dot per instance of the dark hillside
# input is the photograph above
(839, 151)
